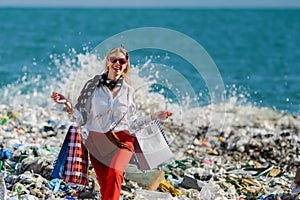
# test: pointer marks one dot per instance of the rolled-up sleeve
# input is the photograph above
(137, 122)
(140, 123)
(77, 117)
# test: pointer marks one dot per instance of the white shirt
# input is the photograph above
(104, 110)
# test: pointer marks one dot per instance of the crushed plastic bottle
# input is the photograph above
(210, 191)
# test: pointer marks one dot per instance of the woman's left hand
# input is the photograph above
(161, 115)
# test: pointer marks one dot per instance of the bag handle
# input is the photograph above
(113, 137)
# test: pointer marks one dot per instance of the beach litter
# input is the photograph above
(249, 157)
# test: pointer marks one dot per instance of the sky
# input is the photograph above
(150, 3)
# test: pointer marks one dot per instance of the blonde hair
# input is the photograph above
(91, 84)
(124, 52)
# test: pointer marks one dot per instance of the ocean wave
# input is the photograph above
(153, 83)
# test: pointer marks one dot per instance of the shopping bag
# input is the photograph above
(151, 147)
(76, 159)
(59, 163)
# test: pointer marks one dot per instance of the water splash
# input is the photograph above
(157, 87)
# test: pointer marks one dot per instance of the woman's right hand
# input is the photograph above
(58, 98)
(161, 115)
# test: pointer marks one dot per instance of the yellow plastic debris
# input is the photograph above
(221, 139)
(211, 152)
(167, 187)
(274, 172)
(3, 119)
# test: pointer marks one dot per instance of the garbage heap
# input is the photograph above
(252, 155)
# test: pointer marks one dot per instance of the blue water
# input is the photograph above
(256, 51)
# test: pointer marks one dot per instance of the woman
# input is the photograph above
(106, 103)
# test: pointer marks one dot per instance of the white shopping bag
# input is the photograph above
(151, 147)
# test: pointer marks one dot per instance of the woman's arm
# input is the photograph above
(141, 122)
(60, 99)
(76, 115)
(161, 115)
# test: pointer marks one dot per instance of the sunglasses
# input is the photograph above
(115, 59)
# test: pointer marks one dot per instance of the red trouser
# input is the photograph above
(110, 177)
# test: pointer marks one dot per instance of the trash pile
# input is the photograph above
(252, 155)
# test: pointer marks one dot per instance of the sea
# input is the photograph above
(185, 58)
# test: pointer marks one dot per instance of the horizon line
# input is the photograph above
(151, 7)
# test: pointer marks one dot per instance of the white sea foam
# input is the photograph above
(151, 82)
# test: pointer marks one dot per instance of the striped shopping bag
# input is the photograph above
(72, 162)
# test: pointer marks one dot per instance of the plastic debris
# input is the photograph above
(152, 195)
(3, 192)
(251, 156)
(149, 179)
(189, 182)
(167, 187)
(3, 120)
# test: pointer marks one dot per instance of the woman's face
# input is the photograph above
(117, 64)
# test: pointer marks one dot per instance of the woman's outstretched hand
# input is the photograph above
(161, 115)
(58, 98)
